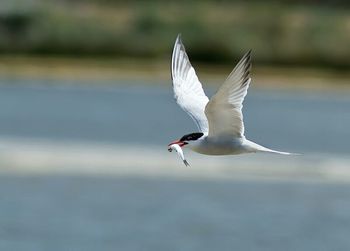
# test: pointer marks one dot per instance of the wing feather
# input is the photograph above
(188, 91)
(224, 110)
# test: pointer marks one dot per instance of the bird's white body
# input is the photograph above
(220, 119)
(210, 146)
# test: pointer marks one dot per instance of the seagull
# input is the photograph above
(220, 119)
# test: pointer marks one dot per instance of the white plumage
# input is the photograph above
(220, 119)
(188, 91)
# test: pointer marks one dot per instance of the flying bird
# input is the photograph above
(220, 119)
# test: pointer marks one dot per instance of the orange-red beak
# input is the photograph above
(178, 142)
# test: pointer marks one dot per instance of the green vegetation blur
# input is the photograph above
(303, 33)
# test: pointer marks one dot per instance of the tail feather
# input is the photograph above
(278, 152)
(260, 148)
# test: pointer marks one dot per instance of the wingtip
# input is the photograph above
(178, 39)
(247, 62)
(248, 54)
(177, 45)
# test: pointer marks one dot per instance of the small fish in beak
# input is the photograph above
(179, 151)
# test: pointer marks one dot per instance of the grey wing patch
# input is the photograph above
(224, 110)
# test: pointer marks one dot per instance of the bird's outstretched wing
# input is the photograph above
(224, 110)
(188, 91)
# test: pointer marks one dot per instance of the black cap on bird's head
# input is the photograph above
(191, 136)
(188, 137)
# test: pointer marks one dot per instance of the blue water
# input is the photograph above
(140, 113)
(132, 213)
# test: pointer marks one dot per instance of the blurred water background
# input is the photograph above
(87, 111)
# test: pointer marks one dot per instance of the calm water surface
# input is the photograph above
(146, 114)
(86, 212)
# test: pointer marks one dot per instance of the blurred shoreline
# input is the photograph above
(69, 68)
(280, 33)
